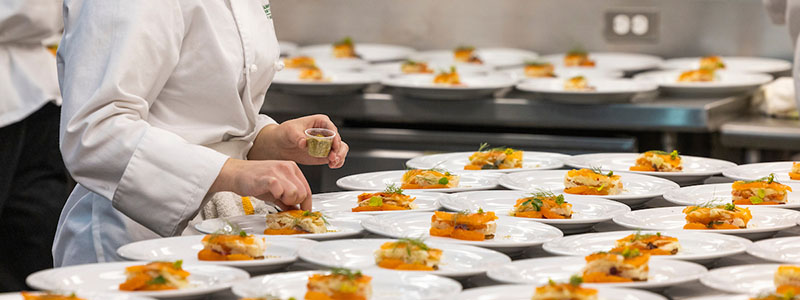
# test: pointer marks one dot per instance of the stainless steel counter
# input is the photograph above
(761, 132)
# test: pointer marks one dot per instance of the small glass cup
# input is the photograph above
(319, 141)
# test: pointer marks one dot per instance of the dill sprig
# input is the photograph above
(229, 228)
(393, 189)
(599, 170)
(350, 274)
(768, 179)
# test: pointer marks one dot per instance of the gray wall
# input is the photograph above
(687, 27)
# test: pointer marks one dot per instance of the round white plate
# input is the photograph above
(784, 250)
(367, 51)
(727, 82)
(493, 57)
(344, 202)
(287, 48)
(376, 181)
(457, 260)
(564, 72)
(538, 271)
(721, 297)
(394, 68)
(106, 277)
(586, 211)
(512, 233)
(765, 222)
(733, 63)
(87, 296)
(626, 62)
(699, 194)
(339, 227)
(455, 161)
(606, 90)
(339, 82)
(747, 279)
(280, 252)
(386, 285)
(526, 291)
(695, 246)
(695, 169)
(472, 86)
(755, 171)
(637, 189)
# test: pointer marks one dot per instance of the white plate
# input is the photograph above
(379, 180)
(765, 222)
(512, 233)
(727, 82)
(699, 194)
(394, 68)
(721, 297)
(457, 260)
(280, 252)
(695, 246)
(339, 227)
(386, 285)
(87, 296)
(755, 171)
(586, 211)
(564, 72)
(606, 90)
(526, 291)
(733, 63)
(493, 57)
(344, 202)
(626, 62)
(695, 169)
(472, 86)
(637, 189)
(784, 250)
(287, 48)
(747, 279)
(106, 277)
(339, 82)
(455, 161)
(538, 271)
(367, 51)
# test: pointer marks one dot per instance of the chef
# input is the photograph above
(161, 111)
(788, 12)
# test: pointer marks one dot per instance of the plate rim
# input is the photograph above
(572, 162)
(446, 190)
(504, 181)
(723, 231)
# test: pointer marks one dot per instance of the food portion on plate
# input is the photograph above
(487, 158)
(711, 62)
(653, 244)
(464, 225)
(539, 69)
(571, 290)
(625, 265)
(312, 74)
(408, 254)
(48, 296)
(762, 191)
(542, 205)
(415, 67)
(578, 58)
(592, 182)
(345, 48)
(466, 54)
(339, 284)
(295, 222)
(232, 244)
(447, 78)
(699, 75)
(578, 84)
(716, 216)
(155, 276)
(429, 179)
(658, 161)
(390, 199)
(794, 174)
(776, 296)
(299, 62)
(787, 280)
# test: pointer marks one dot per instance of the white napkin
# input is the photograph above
(777, 98)
(228, 204)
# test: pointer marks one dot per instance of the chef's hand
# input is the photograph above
(280, 182)
(287, 141)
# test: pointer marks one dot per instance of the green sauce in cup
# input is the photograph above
(319, 141)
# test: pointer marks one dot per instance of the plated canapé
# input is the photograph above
(392, 198)
(497, 158)
(787, 280)
(429, 179)
(408, 254)
(578, 58)
(592, 182)
(345, 48)
(539, 69)
(155, 276)
(658, 161)
(466, 54)
(415, 67)
(716, 216)
(571, 290)
(578, 84)
(449, 77)
(712, 62)
(794, 174)
(295, 222)
(762, 191)
(653, 244)
(232, 244)
(619, 265)
(464, 225)
(542, 205)
(699, 75)
(339, 284)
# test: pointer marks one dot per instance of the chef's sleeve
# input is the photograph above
(114, 59)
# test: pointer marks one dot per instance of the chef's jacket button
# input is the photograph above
(279, 65)
(253, 68)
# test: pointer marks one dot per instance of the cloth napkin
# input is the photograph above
(777, 98)
(228, 204)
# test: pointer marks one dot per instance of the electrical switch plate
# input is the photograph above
(631, 26)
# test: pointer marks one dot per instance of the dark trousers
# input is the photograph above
(33, 189)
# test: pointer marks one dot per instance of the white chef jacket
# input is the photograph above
(157, 95)
(27, 70)
(788, 12)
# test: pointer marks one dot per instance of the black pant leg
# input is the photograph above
(11, 144)
(38, 193)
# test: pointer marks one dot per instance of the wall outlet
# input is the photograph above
(631, 26)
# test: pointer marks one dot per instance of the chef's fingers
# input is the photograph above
(285, 207)
(306, 187)
(306, 205)
(323, 121)
(269, 199)
(337, 156)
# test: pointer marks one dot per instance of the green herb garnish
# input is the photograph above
(345, 41)
(444, 180)
(393, 189)
(768, 179)
(599, 171)
(575, 280)
(158, 280)
(350, 274)
(630, 253)
(375, 201)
